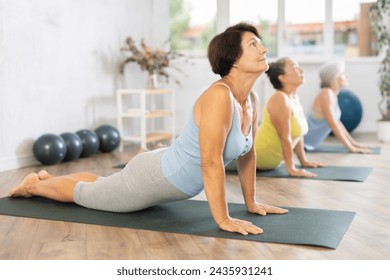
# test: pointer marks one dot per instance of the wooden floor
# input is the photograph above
(367, 238)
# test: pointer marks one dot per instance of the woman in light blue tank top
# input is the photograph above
(319, 129)
(181, 162)
(220, 128)
(325, 113)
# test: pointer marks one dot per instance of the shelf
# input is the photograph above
(144, 91)
(149, 115)
(145, 115)
(150, 137)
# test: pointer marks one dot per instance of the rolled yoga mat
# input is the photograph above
(338, 150)
(302, 226)
(332, 173)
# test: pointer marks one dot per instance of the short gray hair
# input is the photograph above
(330, 71)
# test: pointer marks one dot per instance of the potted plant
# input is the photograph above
(380, 21)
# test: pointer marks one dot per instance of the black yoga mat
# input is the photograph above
(303, 226)
(338, 149)
(332, 173)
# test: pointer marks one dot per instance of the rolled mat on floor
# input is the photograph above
(302, 226)
(338, 149)
(332, 173)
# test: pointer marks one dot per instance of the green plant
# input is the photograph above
(380, 21)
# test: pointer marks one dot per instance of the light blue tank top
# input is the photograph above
(318, 130)
(180, 163)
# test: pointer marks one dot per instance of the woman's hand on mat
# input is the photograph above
(241, 226)
(361, 150)
(312, 164)
(263, 209)
(361, 145)
(301, 173)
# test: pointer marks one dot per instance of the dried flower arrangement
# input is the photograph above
(154, 61)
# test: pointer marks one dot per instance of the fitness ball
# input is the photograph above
(74, 146)
(90, 142)
(49, 149)
(109, 138)
(351, 109)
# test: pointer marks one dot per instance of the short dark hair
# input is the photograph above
(275, 69)
(225, 48)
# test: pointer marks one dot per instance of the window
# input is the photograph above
(353, 35)
(304, 27)
(263, 13)
(299, 28)
(192, 25)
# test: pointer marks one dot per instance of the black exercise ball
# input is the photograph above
(74, 146)
(109, 138)
(49, 149)
(351, 109)
(90, 142)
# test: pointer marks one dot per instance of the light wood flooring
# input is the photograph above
(367, 238)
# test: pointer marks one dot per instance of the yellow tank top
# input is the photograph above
(267, 142)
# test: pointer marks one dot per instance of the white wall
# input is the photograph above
(59, 65)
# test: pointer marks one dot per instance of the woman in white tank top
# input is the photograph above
(325, 113)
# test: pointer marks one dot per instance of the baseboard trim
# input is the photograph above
(9, 163)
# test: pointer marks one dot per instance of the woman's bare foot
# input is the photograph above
(21, 189)
(44, 175)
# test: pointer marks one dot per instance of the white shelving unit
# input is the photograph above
(145, 113)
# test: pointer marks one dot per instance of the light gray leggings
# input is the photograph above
(139, 185)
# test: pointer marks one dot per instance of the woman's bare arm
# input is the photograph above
(215, 118)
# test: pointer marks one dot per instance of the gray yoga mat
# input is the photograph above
(302, 226)
(338, 149)
(332, 173)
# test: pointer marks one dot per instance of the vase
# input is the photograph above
(383, 131)
(153, 81)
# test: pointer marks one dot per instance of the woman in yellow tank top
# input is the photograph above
(283, 125)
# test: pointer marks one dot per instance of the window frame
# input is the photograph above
(223, 15)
